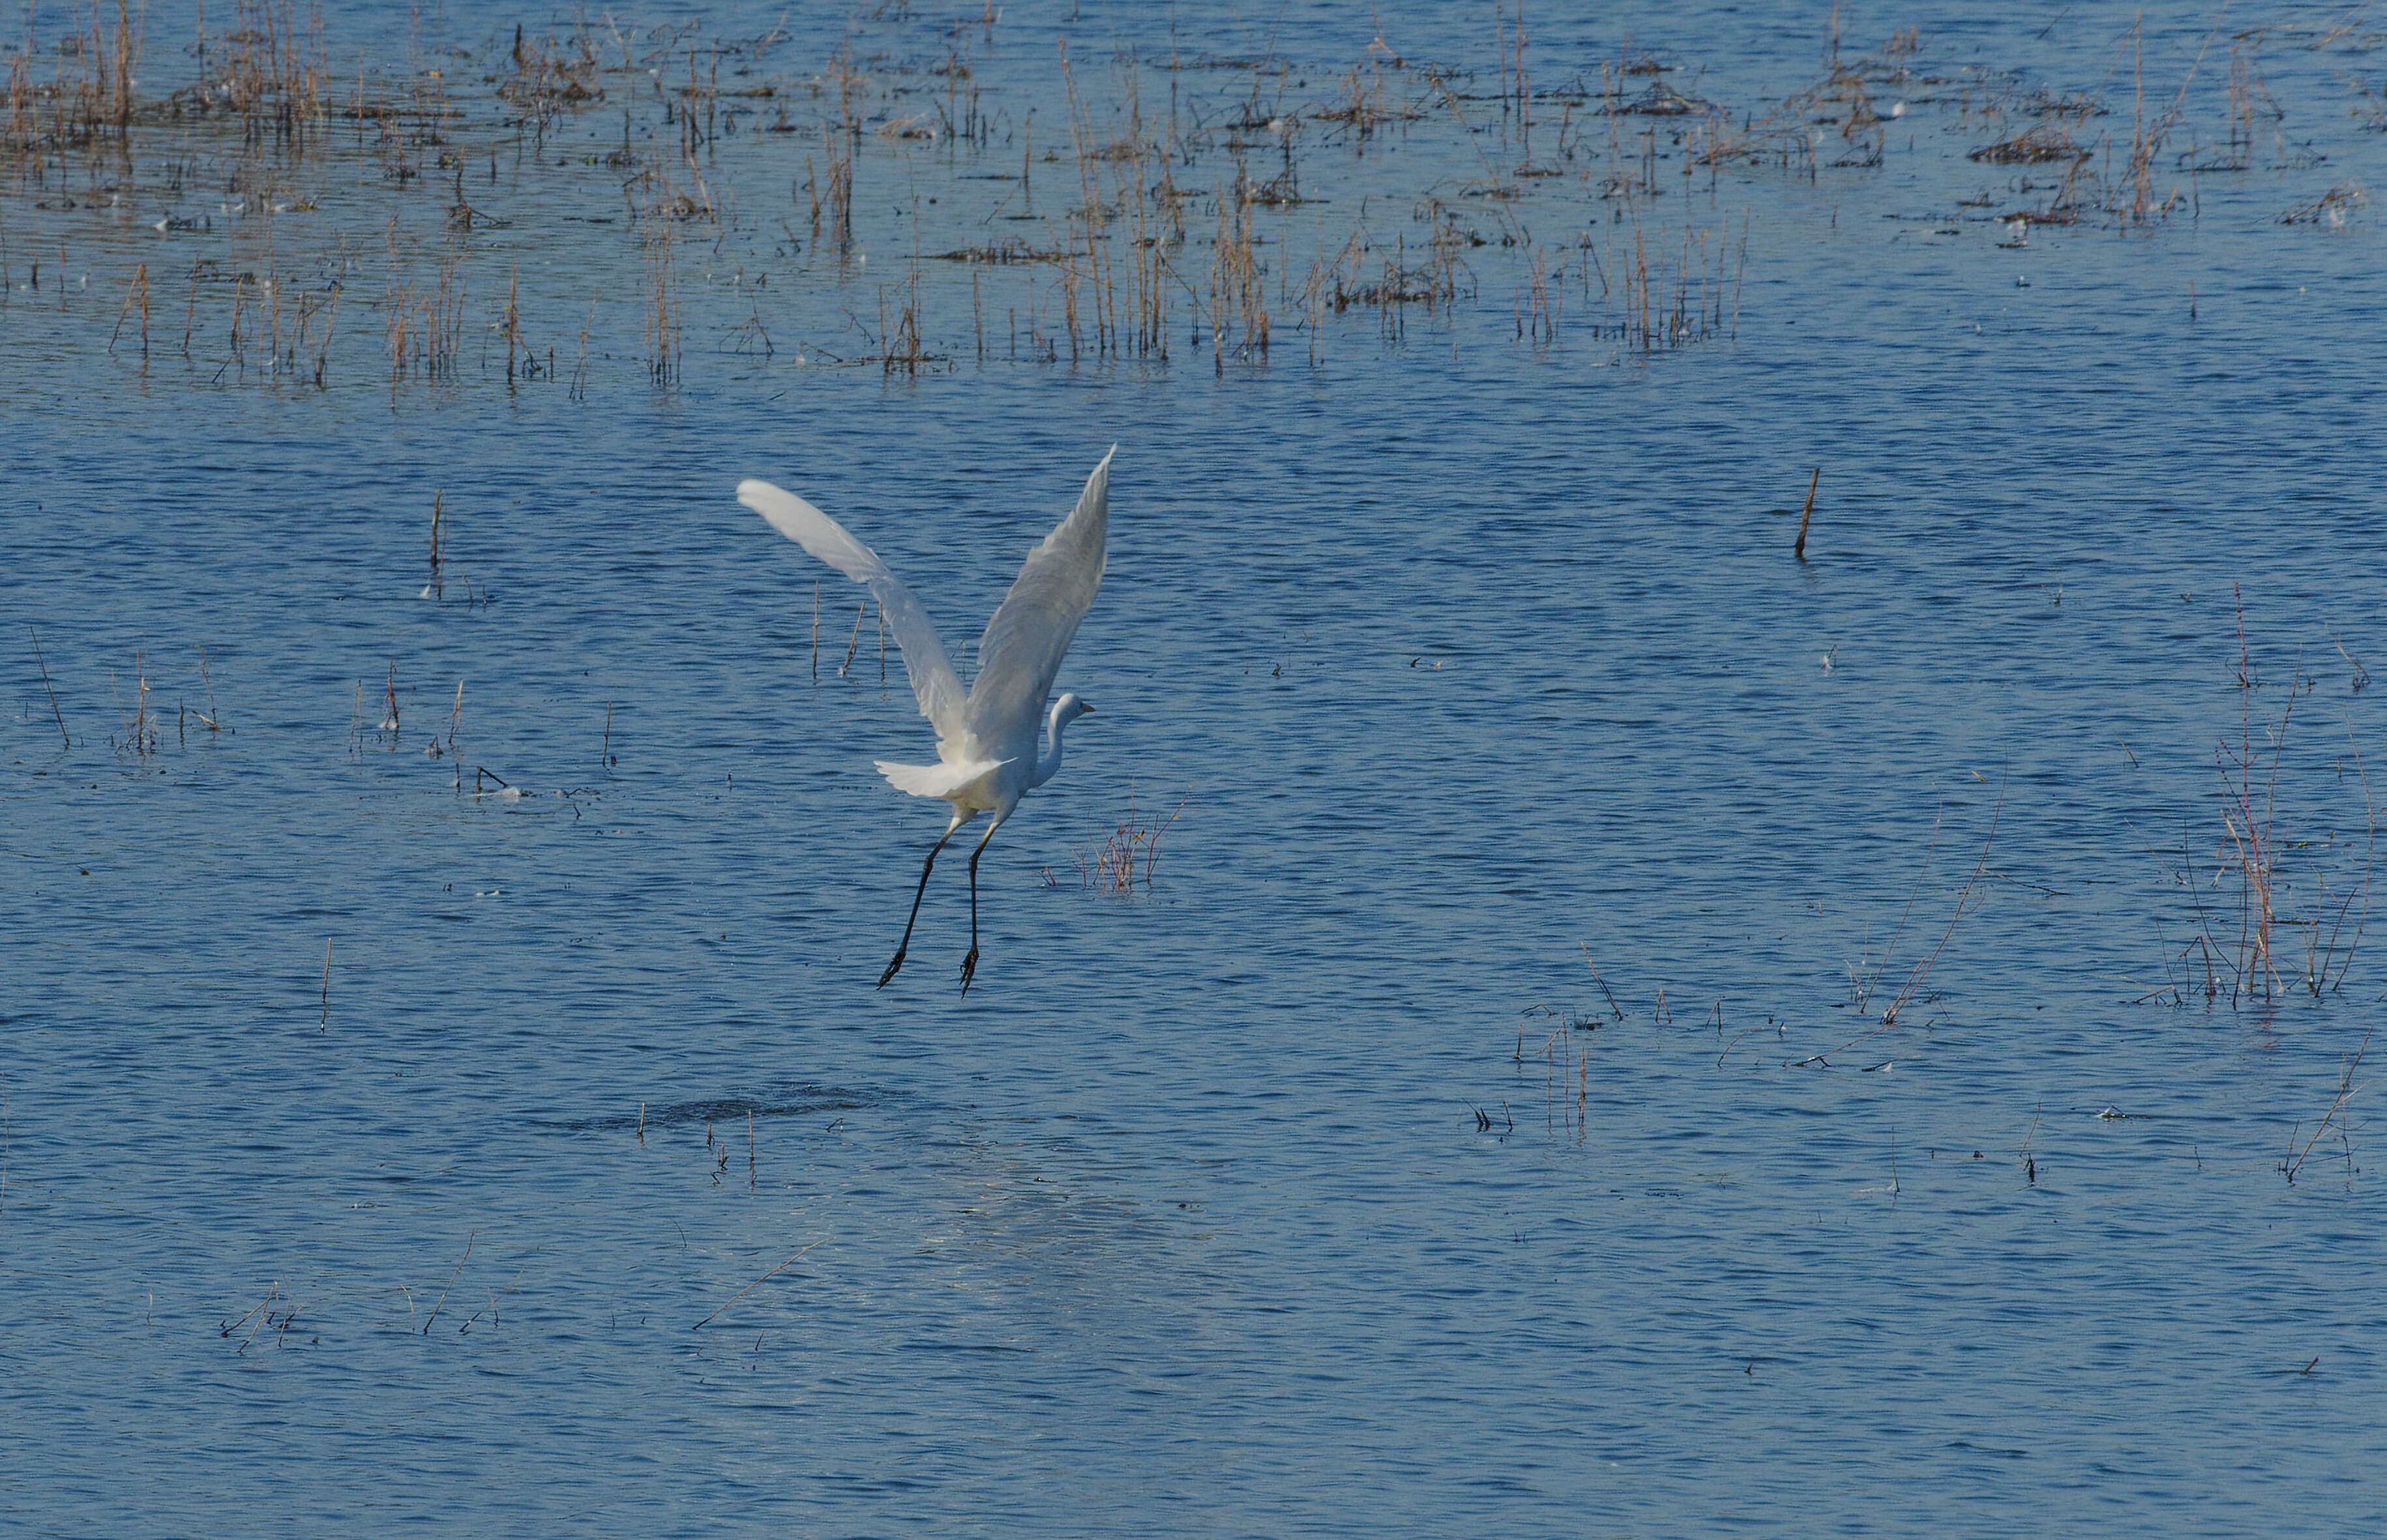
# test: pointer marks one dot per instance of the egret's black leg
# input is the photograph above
(969, 964)
(905, 944)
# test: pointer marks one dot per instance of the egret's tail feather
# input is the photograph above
(935, 780)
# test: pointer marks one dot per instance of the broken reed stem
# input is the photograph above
(1798, 547)
(1603, 986)
(214, 719)
(135, 293)
(817, 630)
(326, 1019)
(750, 1287)
(605, 750)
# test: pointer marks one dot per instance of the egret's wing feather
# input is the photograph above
(932, 671)
(1024, 643)
(935, 780)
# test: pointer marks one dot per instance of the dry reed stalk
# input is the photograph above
(1799, 547)
(579, 389)
(1134, 843)
(324, 1020)
(853, 647)
(144, 737)
(135, 293)
(43, 663)
(750, 1287)
(1238, 281)
(2317, 980)
(1613, 1006)
(323, 347)
(2241, 110)
(2250, 832)
(22, 125)
(1537, 312)
(2293, 1161)
(836, 158)
(452, 1281)
(662, 322)
(438, 563)
(1923, 968)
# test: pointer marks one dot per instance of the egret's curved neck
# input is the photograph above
(1048, 761)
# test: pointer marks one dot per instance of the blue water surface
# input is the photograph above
(384, 1152)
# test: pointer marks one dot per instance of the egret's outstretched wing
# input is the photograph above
(1022, 649)
(933, 680)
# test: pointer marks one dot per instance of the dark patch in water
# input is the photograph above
(785, 1101)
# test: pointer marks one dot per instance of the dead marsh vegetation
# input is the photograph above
(1128, 853)
(922, 197)
(2260, 904)
(2279, 895)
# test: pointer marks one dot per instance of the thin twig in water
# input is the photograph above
(1603, 985)
(1964, 895)
(214, 719)
(2290, 1165)
(452, 1281)
(750, 1287)
(855, 644)
(1864, 982)
(2370, 850)
(53, 694)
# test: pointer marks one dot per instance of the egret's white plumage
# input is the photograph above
(996, 742)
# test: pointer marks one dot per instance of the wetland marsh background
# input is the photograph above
(435, 992)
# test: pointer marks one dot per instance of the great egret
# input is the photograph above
(989, 753)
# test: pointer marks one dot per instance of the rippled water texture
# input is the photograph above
(386, 1151)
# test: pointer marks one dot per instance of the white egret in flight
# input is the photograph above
(989, 752)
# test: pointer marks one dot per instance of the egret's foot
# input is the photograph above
(969, 967)
(893, 965)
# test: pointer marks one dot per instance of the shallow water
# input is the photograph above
(1469, 660)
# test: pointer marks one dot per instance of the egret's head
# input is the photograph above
(1070, 707)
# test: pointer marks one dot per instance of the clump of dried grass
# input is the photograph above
(1127, 854)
